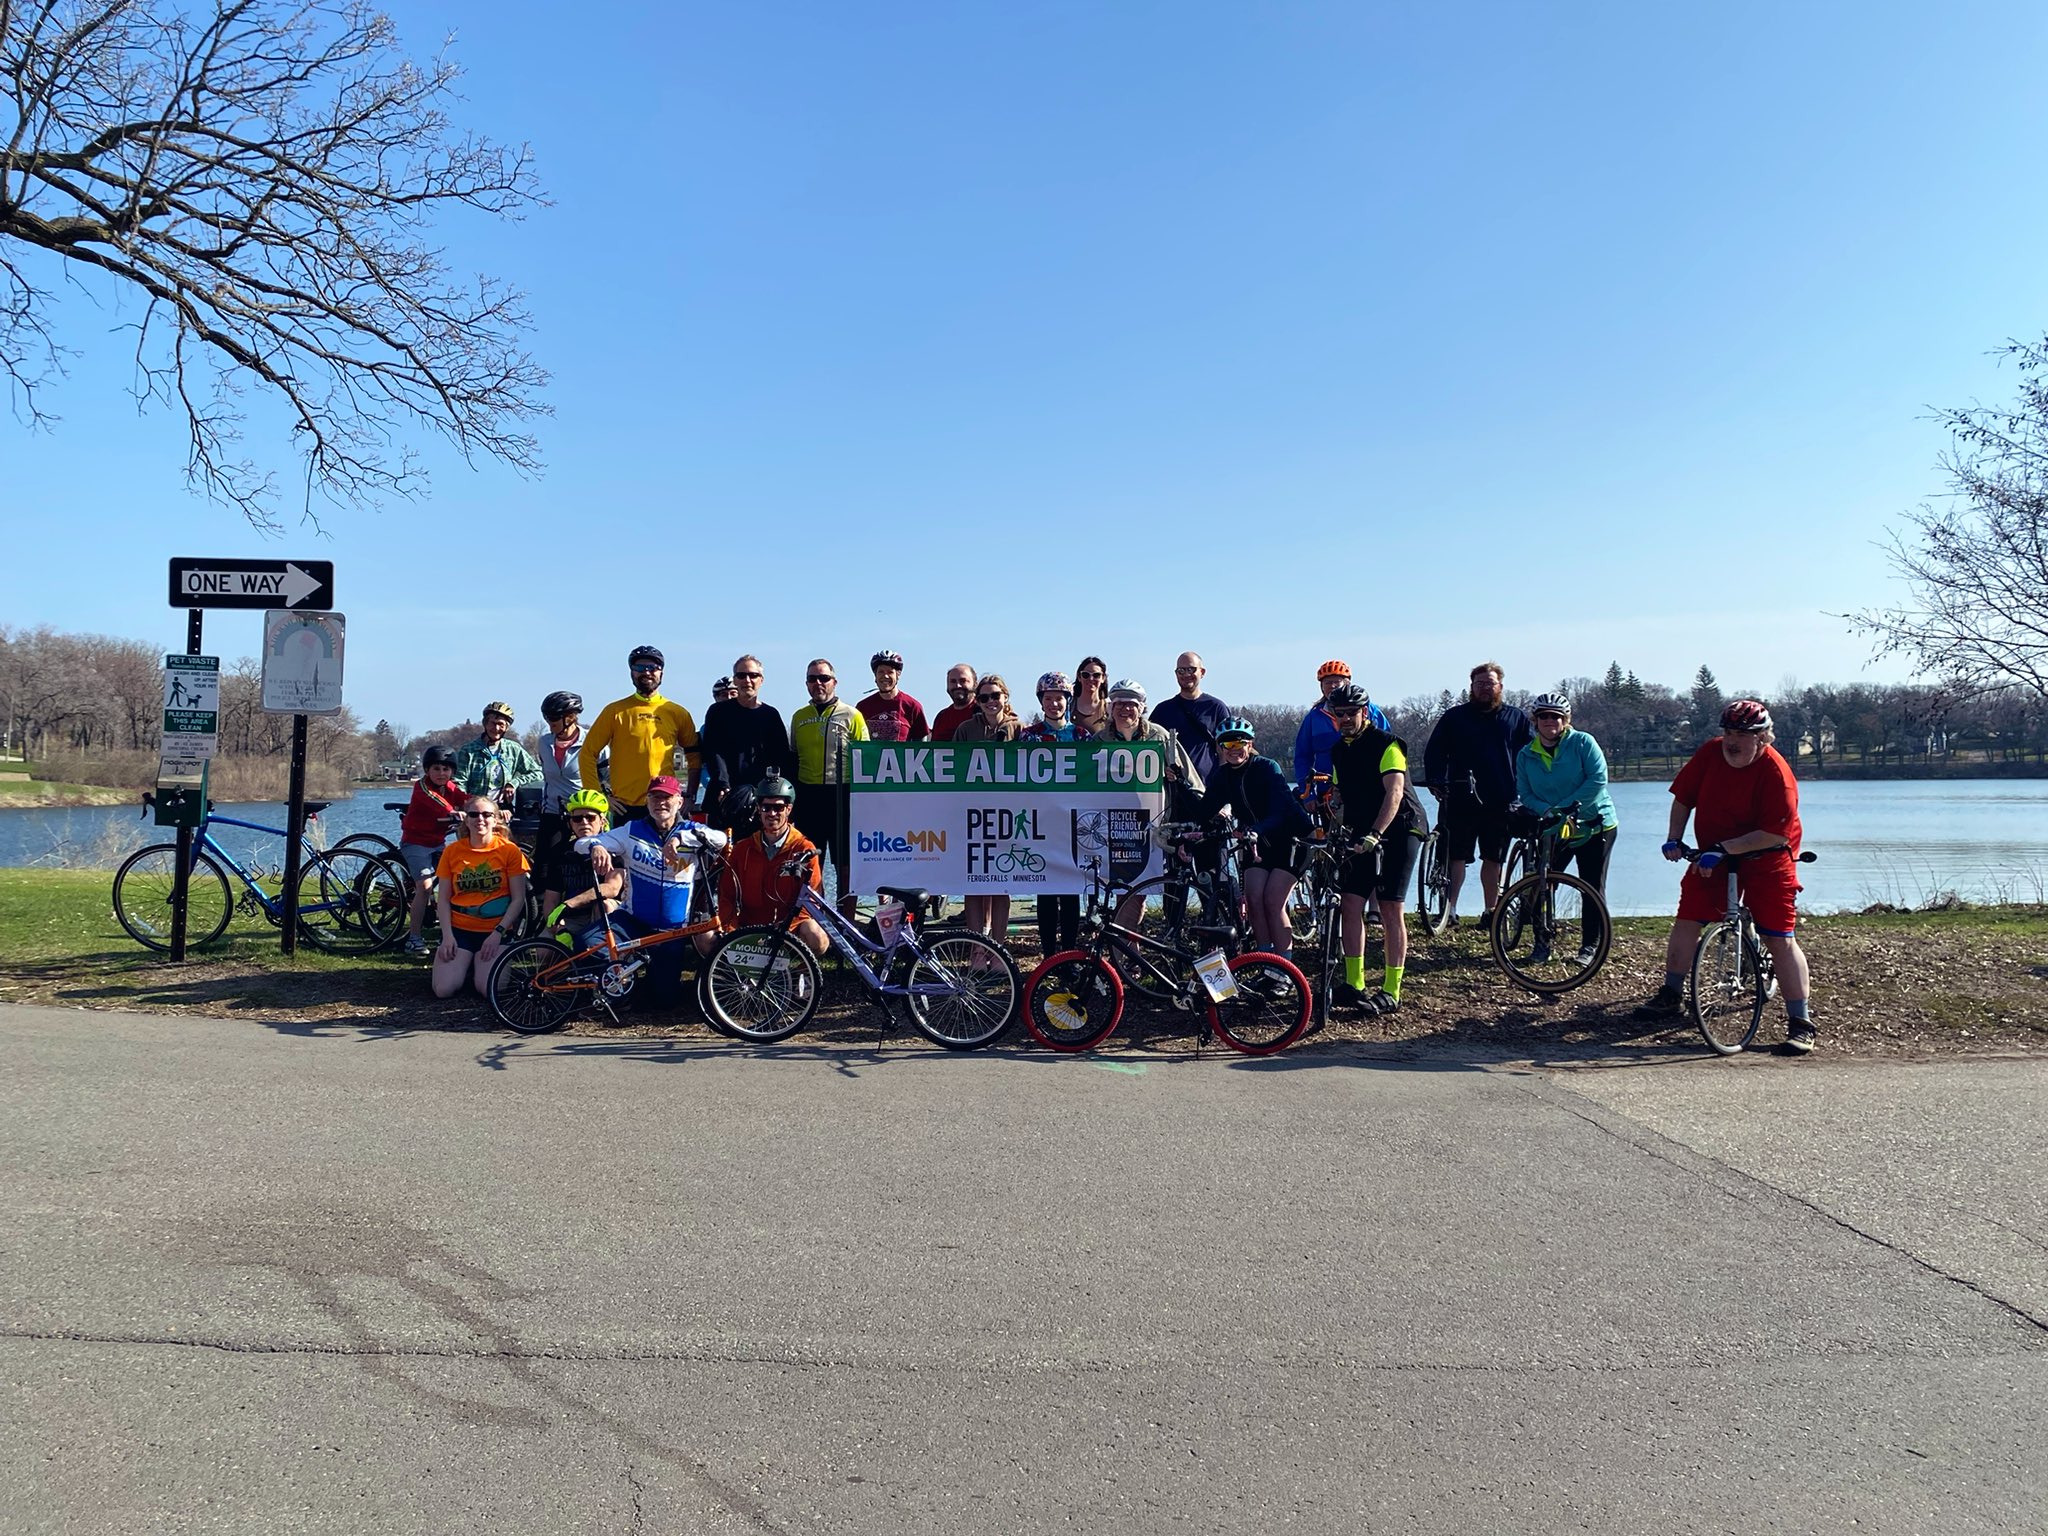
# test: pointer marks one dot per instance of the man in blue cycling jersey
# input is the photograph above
(659, 853)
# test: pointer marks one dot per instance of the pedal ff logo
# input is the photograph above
(999, 847)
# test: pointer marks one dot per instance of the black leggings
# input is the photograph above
(1059, 923)
(1591, 856)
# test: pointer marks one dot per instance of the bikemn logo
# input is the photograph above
(923, 840)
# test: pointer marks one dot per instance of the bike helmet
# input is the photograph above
(1551, 703)
(774, 787)
(1236, 728)
(1126, 690)
(1053, 682)
(590, 800)
(886, 659)
(500, 707)
(1333, 669)
(1350, 696)
(559, 703)
(648, 654)
(721, 685)
(436, 755)
(1747, 716)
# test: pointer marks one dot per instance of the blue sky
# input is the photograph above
(1009, 332)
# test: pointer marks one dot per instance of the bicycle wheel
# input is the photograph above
(1328, 951)
(1073, 1001)
(531, 989)
(1728, 988)
(371, 842)
(1269, 1010)
(963, 990)
(1551, 933)
(759, 984)
(142, 897)
(1177, 930)
(1433, 888)
(351, 902)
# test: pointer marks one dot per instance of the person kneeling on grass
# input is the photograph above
(480, 892)
(764, 871)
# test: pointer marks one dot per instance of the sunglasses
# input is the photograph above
(775, 807)
(744, 675)
(583, 816)
(1548, 714)
(1092, 677)
(816, 678)
(479, 815)
(1179, 670)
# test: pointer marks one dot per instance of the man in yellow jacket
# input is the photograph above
(643, 731)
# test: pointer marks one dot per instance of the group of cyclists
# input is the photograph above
(630, 805)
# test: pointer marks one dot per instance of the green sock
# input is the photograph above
(1392, 985)
(1354, 972)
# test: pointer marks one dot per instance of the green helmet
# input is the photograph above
(590, 800)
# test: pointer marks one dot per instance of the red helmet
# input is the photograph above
(1747, 716)
(1333, 669)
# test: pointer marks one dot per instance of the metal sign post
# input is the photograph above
(181, 877)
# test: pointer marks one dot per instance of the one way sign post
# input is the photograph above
(286, 584)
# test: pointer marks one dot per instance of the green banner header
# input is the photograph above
(1044, 767)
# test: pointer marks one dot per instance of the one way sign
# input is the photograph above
(252, 584)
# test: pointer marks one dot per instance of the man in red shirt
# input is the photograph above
(960, 681)
(1742, 799)
(892, 714)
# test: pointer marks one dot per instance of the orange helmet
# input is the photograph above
(1333, 669)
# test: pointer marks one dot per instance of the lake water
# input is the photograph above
(1900, 841)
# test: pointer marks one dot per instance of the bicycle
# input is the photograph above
(538, 985)
(1196, 910)
(1732, 975)
(1013, 859)
(1551, 930)
(376, 842)
(1256, 1003)
(762, 984)
(350, 901)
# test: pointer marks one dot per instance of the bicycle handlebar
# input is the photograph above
(1691, 854)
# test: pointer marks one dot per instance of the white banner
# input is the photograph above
(999, 818)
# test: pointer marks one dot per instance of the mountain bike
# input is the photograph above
(1188, 910)
(540, 984)
(350, 900)
(1257, 1002)
(1732, 972)
(762, 984)
(1551, 930)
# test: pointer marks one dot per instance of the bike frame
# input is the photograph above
(203, 842)
(1106, 932)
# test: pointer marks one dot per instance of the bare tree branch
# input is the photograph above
(264, 174)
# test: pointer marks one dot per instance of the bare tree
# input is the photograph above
(1978, 569)
(262, 174)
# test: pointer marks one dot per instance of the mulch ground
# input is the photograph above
(1898, 987)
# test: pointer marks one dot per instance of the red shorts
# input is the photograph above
(1769, 889)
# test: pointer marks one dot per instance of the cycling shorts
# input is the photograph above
(1386, 876)
(1466, 823)
(1289, 855)
(820, 814)
(1769, 885)
(419, 860)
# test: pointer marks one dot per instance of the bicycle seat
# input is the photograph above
(394, 805)
(909, 896)
(315, 807)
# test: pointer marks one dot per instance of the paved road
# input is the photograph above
(290, 1279)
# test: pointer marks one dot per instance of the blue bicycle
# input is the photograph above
(351, 901)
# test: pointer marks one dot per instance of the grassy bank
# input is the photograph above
(1895, 984)
(119, 776)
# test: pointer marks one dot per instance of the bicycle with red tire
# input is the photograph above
(1257, 1003)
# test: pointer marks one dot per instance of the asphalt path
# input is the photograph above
(295, 1278)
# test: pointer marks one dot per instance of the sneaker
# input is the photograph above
(1344, 995)
(1540, 955)
(1485, 921)
(1664, 1003)
(1588, 953)
(413, 945)
(1380, 1004)
(1800, 1038)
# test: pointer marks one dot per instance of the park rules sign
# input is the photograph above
(988, 818)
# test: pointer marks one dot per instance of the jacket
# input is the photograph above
(818, 734)
(1576, 773)
(1471, 740)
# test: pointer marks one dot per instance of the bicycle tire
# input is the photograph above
(1175, 943)
(981, 990)
(142, 897)
(376, 842)
(351, 902)
(1329, 953)
(759, 984)
(1073, 1001)
(1433, 888)
(522, 1002)
(1540, 933)
(1728, 988)
(1269, 1011)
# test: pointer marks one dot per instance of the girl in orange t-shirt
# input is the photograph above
(480, 892)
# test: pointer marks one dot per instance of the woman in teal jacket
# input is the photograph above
(1561, 768)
